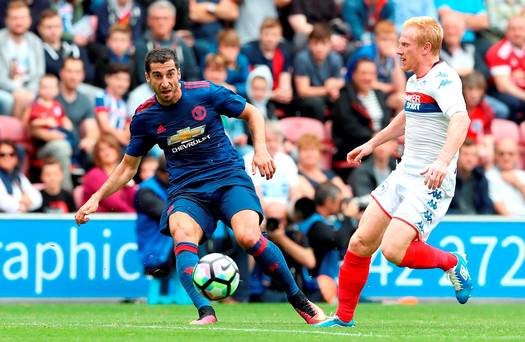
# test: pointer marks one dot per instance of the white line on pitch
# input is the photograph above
(189, 328)
(260, 330)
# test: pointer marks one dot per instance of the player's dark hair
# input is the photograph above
(325, 191)
(161, 56)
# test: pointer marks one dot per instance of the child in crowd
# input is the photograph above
(54, 198)
(237, 65)
(51, 129)
(481, 116)
(118, 49)
(111, 108)
(215, 71)
(259, 90)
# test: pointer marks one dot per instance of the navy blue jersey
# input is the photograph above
(192, 136)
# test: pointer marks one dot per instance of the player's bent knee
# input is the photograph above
(182, 230)
(360, 246)
(392, 253)
(248, 236)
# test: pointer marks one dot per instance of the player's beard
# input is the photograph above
(169, 96)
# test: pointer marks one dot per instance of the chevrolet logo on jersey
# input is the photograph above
(186, 134)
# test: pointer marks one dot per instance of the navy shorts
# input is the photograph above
(208, 207)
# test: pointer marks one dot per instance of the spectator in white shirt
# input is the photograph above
(282, 189)
(506, 180)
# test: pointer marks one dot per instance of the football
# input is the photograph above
(216, 276)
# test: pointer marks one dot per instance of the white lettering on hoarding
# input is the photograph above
(21, 259)
(130, 246)
(74, 249)
(106, 255)
(41, 274)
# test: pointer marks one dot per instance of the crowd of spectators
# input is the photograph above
(72, 75)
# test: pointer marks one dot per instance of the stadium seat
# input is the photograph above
(505, 129)
(78, 193)
(13, 129)
(328, 146)
(294, 127)
(522, 144)
(522, 133)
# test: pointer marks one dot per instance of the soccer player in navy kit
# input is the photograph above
(207, 177)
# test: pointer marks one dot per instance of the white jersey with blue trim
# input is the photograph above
(430, 102)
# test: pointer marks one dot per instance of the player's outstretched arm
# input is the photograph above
(393, 130)
(122, 174)
(456, 133)
(261, 158)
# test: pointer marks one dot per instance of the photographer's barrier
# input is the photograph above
(48, 256)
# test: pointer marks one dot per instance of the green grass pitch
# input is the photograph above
(259, 322)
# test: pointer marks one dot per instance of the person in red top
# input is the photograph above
(506, 62)
(106, 155)
(481, 116)
(50, 128)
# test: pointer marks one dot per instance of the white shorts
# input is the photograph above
(406, 197)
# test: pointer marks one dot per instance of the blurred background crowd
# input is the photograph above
(323, 73)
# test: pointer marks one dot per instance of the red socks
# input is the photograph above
(354, 272)
(352, 278)
(420, 255)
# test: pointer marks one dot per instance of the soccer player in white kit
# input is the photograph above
(414, 198)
